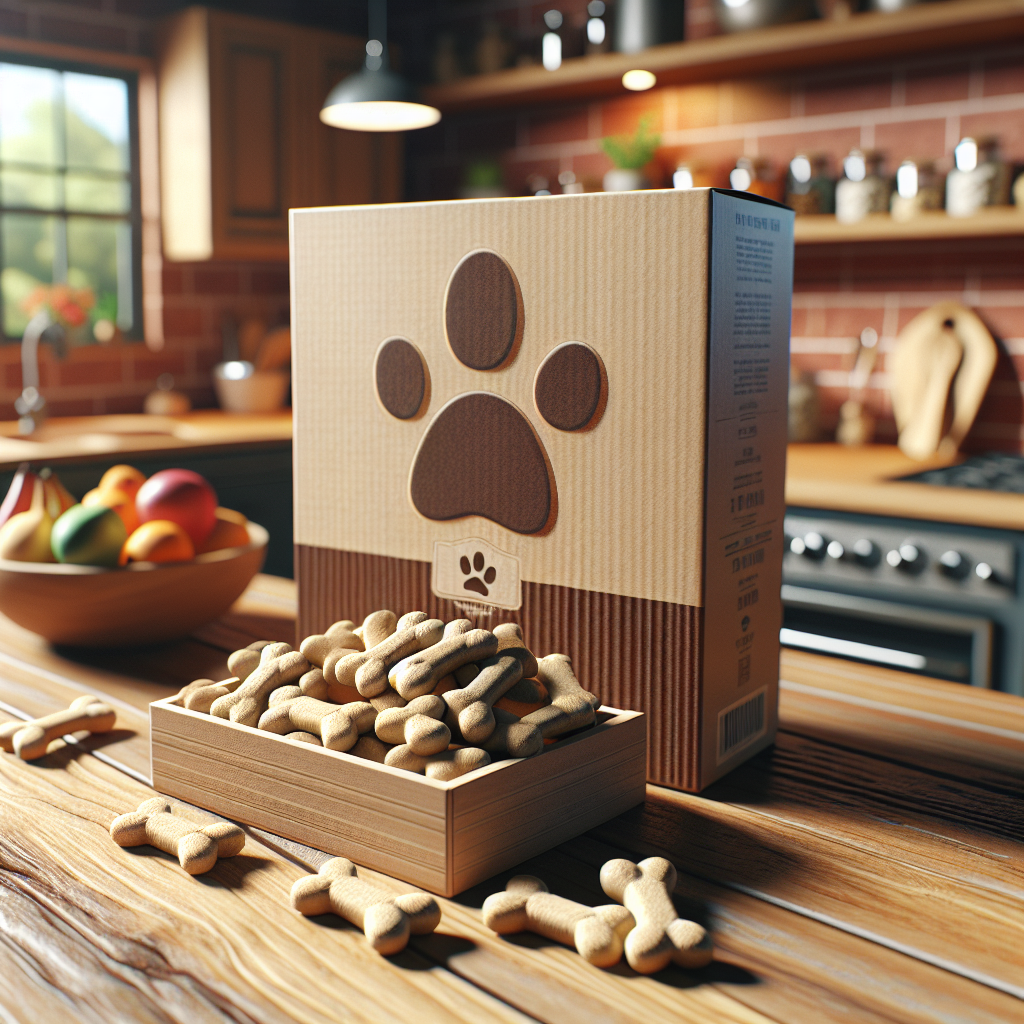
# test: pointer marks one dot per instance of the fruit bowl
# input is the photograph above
(142, 603)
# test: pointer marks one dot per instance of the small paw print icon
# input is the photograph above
(480, 454)
(478, 583)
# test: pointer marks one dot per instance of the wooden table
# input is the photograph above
(867, 868)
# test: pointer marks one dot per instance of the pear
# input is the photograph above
(25, 537)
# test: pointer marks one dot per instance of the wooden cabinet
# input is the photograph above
(241, 141)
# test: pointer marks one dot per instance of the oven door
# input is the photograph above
(941, 644)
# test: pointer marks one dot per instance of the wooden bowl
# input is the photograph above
(143, 603)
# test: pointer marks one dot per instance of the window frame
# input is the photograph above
(131, 77)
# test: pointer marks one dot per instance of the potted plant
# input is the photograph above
(630, 154)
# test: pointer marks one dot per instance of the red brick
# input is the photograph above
(849, 321)
(756, 101)
(910, 140)
(861, 92)
(1004, 74)
(1008, 127)
(798, 325)
(149, 367)
(559, 126)
(691, 106)
(837, 143)
(94, 372)
(124, 404)
(182, 321)
(1004, 321)
(270, 281)
(518, 172)
(938, 84)
(70, 406)
(216, 281)
(83, 33)
(622, 116)
(589, 169)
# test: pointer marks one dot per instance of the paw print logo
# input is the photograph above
(478, 583)
(480, 455)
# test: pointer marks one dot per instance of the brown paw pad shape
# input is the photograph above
(480, 455)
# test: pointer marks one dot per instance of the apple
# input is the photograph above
(88, 535)
(181, 496)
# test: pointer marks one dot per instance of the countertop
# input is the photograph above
(864, 869)
(865, 479)
(81, 438)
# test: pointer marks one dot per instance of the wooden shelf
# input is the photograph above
(863, 37)
(995, 222)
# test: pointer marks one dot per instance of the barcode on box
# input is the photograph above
(740, 724)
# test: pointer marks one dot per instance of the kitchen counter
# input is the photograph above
(864, 869)
(865, 479)
(85, 438)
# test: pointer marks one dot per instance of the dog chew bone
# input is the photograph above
(196, 847)
(385, 920)
(418, 725)
(338, 636)
(201, 698)
(369, 671)
(244, 662)
(388, 699)
(303, 737)
(510, 641)
(448, 765)
(472, 704)
(571, 706)
(597, 933)
(370, 748)
(29, 740)
(337, 726)
(456, 627)
(512, 737)
(283, 693)
(249, 701)
(419, 673)
(313, 684)
(377, 626)
(410, 619)
(660, 935)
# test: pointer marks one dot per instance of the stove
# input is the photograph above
(940, 598)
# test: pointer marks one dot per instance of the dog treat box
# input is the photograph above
(568, 412)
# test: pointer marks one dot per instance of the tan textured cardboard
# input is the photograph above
(565, 461)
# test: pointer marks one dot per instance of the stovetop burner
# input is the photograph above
(995, 471)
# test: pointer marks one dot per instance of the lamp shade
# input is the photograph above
(376, 101)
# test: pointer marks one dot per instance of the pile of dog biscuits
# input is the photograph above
(440, 699)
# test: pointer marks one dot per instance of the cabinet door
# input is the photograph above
(252, 95)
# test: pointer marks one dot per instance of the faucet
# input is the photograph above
(30, 404)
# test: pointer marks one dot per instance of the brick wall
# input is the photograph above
(918, 107)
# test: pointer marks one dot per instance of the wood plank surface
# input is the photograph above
(866, 868)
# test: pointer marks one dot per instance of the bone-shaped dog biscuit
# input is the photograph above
(244, 662)
(337, 726)
(377, 626)
(370, 748)
(304, 737)
(201, 697)
(279, 666)
(283, 693)
(456, 628)
(369, 671)
(448, 765)
(417, 725)
(512, 737)
(388, 699)
(410, 619)
(597, 933)
(472, 704)
(339, 636)
(386, 920)
(196, 847)
(571, 706)
(660, 935)
(29, 740)
(419, 673)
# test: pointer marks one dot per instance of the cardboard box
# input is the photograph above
(443, 836)
(568, 412)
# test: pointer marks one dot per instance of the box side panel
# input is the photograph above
(750, 304)
(636, 654)
(511, 815)
(389, 823)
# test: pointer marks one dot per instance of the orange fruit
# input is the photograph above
(123, 478)
(120, 501)
(229, 531)
(159, 540)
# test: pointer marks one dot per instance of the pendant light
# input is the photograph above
(375, 99)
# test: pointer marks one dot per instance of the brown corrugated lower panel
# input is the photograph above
(634, 654)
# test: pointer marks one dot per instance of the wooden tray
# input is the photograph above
(442, 836)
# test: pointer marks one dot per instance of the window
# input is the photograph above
(69, 197)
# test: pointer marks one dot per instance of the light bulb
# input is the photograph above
(683, 178)
(855, 167)
(551, 51)
(966, 154)
(736, 3)
(740, 179)
(906, 179)
(380, 116)
(595, 30)
(800, 168)
(638, 81)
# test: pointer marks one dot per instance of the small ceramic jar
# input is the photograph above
(979, 179)
(862, 189)
(810, 187)
(918, 188)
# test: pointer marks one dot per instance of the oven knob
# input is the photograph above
(985, 572)
(835, 550)
(866, 552)
(907, 558)
(814, 546)
(954, 565)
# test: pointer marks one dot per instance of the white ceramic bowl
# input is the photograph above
(142, 603)
(257, 391)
